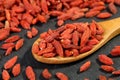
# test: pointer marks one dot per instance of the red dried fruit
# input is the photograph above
(44, 6)
(117, 72)
(35, 48)
(113, 8)
(46, 74)
(107, 68)
(46, 50)
(75, 37)
(41, 18)
(5, 75)
(117, 2)
(29, 34)
(58, 48)
(8, 51)
(34, 31)
(60, 22)
(66, 34)
(77, 15)
(10, 63)
(93, 41)
(4, 33)
(75, 52)
(98, 8)
(68, 53)
(16, 70)
(102, 77)
(62, 76)
(85, 66)
(93, 28)
(27, 17)
(91, 14)
(12, 38)
(8, 3)
(105, 59)
(49, 55)
(7, 45)
(25, 24)
(28, 6)
(19, 44)
(85, 37)
(85, 49)
(97, 3)
(100, 30)
(99, 37)
(115, 51)
(15, 29)
(42, 44)
(76, 2)
(104, 15)
(30, 73)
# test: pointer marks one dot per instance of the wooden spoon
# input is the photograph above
(111, 28)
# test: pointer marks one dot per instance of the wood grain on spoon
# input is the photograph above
(111, 29)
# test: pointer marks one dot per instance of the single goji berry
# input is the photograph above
(30, 73)
(16, 70)
(5, 75)
(85, 66)
(46, 74)
(62, 76)
(10, 63)
(105, 59)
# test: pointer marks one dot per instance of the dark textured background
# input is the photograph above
(71, 69)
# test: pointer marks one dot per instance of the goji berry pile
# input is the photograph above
(28, 12)
(69, 40)
(105, 60)
(18, 14)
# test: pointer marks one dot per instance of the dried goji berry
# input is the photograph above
(115, 51)
(104, 15)
(7, 45)
(12, 38)
(46, 74)
(91, 13)
(60, 22)
(113, 8)
(34, 31)
(49, 55)
(8, 51)
(62, 76)
(58, 48)
(85, 37)
(19, 44)
(16, 70)
(105, 59)
(4, 33)
(107, 68)
(44, 6)
(85, 66)
(85, 49)
(30, 73)
(29, 34)
(117, 72)
(75, 37)
(10, 63)
(5, 75)
(102, 77)
(35, 48)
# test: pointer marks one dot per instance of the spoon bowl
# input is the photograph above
(111, 29)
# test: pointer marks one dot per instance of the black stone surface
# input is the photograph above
(71, 69)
